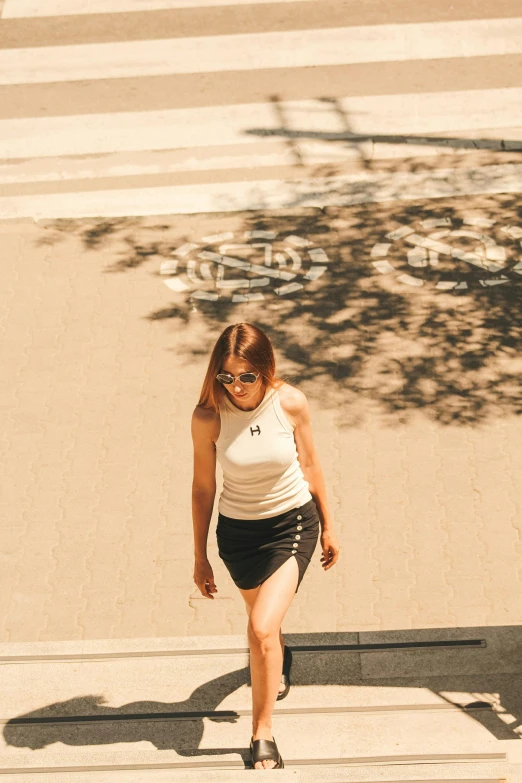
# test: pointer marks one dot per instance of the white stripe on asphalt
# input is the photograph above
(56, 169)
(135, 164)
(16, 9)
(247, 124)
(255, 51)
(267, 194)
(211, 159)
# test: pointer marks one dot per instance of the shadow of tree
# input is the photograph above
(362, 340)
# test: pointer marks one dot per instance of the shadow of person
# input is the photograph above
(87, 720)
(485, 683)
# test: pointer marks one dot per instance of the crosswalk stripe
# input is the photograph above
(256, 146)
(124, 167)
(188, 91)
(149, 163)
(26, 32)
(208, 22)
(245, 124)
(290, 49)
(267, 194)
(17, 9)
(146, 168)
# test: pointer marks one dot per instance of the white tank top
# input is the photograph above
(256, 449)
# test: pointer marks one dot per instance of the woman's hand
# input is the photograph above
(331, 549)
(204, 578)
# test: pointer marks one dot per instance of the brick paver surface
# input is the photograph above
(414, 396)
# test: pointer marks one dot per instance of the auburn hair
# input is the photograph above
(244, 341)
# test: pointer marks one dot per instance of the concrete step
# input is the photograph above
(342, 737)
(419, 773)
(284, 775)
(152, 708)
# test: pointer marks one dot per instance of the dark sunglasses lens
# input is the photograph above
(247, 377)
(223, 378)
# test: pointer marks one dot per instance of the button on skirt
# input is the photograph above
(252, 549)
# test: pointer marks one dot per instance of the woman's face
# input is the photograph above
(238, 390)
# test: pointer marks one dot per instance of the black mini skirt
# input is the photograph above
(252, 549)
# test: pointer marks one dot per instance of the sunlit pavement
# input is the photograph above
(346, 176)
(415, 672)
(367, 216)
(409, 356)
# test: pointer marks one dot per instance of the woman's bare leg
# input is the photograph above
(267, 611)
(249, 597)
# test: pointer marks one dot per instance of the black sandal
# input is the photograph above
(265, 750)
(285, 677)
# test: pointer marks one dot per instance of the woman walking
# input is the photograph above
(273, 499)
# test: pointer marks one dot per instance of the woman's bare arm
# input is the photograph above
(297, 406)
(205, 428)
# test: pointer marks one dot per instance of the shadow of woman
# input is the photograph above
(87, 720)
(486, 684)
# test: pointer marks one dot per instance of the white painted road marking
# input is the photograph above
(384, 267)
(244, 124)
(399, 233)
(255, 51)
(318, 255)
(17, 9)
(491, 257)
(267, 194)
(184, 249)
(380, 249)
(177, 285)
(409, 280)
(127, 162)
(209, 267)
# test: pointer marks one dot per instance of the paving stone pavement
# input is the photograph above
(415, 404)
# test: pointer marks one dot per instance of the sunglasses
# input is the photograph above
(245, 377)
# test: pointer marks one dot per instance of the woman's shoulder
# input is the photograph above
(205, 421)
(201, 413)
(293, 400)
